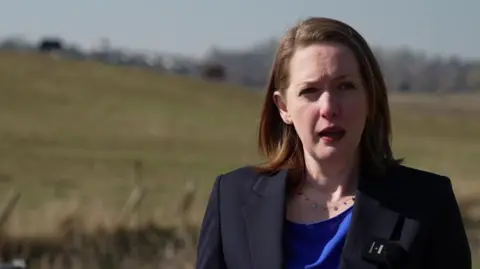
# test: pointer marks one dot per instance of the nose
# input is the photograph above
(329, 105)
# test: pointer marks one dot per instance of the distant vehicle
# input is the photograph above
(404, 86)
(50, 45)
(214, 71)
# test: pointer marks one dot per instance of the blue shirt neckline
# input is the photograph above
(316, 244)
(332, 219)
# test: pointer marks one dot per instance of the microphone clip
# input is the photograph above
(381, 251)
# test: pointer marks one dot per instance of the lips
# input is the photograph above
(332, 133)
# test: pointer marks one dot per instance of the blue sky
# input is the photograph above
(190, 27)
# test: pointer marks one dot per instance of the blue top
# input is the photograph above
(317, 245)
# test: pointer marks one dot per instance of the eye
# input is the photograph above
(307, 91)
(346, 86)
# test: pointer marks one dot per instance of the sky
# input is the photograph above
(191, 27)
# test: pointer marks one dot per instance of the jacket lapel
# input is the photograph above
(264, 216)
(371, 219)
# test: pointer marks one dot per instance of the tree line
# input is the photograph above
(404, 69)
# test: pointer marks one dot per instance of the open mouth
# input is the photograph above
(331, 134)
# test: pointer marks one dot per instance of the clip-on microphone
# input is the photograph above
(382, 251)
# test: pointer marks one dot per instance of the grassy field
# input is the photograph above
(72, 131)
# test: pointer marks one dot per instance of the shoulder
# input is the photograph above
(240, 174)
(246, 172)
(234, 186)
(244, 180)
(417, 186)
(239, 178)
(417, 178)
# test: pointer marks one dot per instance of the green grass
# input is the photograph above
(74, 129)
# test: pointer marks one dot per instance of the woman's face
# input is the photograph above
(325, 101)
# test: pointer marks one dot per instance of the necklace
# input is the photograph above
(334, 206)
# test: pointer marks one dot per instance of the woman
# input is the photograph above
(331, 194)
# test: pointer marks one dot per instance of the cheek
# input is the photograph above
(355, 109)
(304, 116)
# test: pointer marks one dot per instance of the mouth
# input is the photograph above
(332, 133)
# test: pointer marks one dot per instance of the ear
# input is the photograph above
(279, 101)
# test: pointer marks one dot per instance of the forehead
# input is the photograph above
(322, 61)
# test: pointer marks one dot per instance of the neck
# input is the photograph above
(334, 178)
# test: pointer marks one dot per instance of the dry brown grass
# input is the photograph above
(88, 238)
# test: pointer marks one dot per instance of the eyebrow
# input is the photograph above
(316, 81)
(342, 77)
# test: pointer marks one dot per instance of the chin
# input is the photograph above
(326, 153)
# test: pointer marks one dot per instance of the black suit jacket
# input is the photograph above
(243, 222)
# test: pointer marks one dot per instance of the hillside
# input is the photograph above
(74, 129)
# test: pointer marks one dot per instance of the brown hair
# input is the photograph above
(279, 142)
